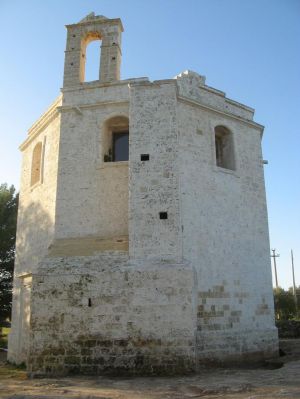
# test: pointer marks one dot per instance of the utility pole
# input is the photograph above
(274, 256)
(294, 285)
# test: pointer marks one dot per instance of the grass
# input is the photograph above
(8, 370)
(3, 337)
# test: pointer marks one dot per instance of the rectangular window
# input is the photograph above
(120, 146)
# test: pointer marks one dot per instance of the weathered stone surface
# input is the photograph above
(114, 315)
(268, 380)
(158, 264)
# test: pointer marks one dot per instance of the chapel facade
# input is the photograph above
(142, 241)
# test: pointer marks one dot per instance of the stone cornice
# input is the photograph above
(228, 100)
(98, 84)
(240, 105)
(98, 21)
(154, 83)
(78, 107)
(42, 122)
(24, 274)
(224, 113)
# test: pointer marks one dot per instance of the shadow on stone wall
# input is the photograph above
(34, 235)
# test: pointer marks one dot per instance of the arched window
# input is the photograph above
(224, 148)
(36, 164)
(115, 140)
(90, 57)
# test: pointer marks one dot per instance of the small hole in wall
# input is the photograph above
(89, 303)
(163, 215)
(145, 157)
(74, 35)
(113, 58)
(71, 63)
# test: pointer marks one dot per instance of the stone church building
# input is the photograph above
(142, 241)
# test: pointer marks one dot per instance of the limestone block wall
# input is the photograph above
(36, 216)
(98, 191)
(92, 94)
(195, 286)
(225, 236)
(153, 183)
(36, 213)
(113, 200)
(104, 314)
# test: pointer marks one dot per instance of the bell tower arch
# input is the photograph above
(93, 27)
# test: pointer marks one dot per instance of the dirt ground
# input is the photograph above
(255, 383)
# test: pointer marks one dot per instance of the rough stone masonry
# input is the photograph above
(142, 243)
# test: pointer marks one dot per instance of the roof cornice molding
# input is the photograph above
(42, 122)
(219, 112)
(78, 107)
(100, 21)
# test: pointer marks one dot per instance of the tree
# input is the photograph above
(8, 224)
(284, 302)
(297, 300)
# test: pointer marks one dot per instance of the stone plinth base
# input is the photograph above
(102, 314)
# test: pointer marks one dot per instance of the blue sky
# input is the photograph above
(249, 49)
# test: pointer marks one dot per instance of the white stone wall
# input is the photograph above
(153, 184)
(36, 216)
(225, 236)
(108, 315)
(97, 191)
